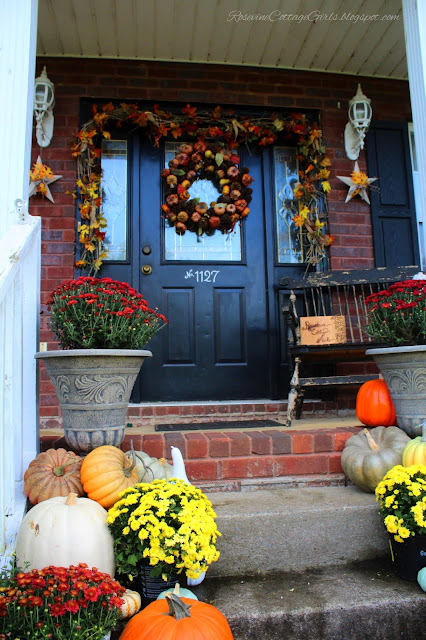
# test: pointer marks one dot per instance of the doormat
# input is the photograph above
(221, 426)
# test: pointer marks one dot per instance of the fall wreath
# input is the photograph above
(202, 161)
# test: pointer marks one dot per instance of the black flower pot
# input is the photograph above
(408, 557)
(151, 587)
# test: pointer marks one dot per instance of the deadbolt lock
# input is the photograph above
(146, 269)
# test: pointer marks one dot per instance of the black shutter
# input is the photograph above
(392, 208)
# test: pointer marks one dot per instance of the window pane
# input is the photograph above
(286, 175)
(190, 247)
(114, 197)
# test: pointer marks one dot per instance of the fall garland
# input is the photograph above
(217, 129)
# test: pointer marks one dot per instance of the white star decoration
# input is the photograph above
(357, 187)
(37, 178)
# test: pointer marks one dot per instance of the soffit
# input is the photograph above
(205, 31)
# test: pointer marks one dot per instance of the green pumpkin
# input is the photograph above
(421, 578)
(182, 593)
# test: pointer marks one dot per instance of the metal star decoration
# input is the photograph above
(358, 183)
(40, 177)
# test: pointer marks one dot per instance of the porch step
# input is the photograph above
(351, 602)
(296, 529)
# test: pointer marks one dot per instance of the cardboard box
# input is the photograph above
(323, 330)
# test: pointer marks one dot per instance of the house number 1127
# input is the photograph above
(202, 276)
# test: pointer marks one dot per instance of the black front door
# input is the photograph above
(218, 293)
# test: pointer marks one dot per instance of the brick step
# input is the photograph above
(234, 460)
(152, 414)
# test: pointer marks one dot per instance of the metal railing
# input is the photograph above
(19, 313)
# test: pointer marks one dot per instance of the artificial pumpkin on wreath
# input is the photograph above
(374, 405)
(55, 472)
(202, 161)
(177, 618)
(369, 455)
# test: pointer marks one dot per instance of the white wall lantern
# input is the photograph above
(44, 100)
(359, 120)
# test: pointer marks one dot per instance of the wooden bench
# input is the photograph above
(331, 293)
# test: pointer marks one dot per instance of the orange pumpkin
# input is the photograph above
(374, 405)
(105, 472)
(55, 472)
(178, 619)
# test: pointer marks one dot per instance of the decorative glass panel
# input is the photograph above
(286, 175)
(114, 197)
(219, 247)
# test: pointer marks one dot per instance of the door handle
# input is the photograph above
(146, 269)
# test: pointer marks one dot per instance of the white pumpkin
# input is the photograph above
(64, 531)
(150, 469)
(132, 603)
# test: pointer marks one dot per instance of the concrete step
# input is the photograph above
(351, 602)
(294, 529)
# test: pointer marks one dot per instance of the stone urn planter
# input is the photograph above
(93, 387)
(404, 371)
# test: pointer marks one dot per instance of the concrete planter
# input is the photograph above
(93, 387)
(404, 371)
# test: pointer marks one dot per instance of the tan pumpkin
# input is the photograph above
(132, 603)
(369, 455)
(55, 472)
(105, 472)
(63, 531)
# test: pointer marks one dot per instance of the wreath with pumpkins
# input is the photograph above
(203, 161)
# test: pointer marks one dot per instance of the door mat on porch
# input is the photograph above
(222, 425)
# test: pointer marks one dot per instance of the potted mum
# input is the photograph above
(102, 326)
(164, 532)
(59, 603)
(402, 496)
(396, 317)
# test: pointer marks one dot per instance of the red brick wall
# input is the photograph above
(130, 80)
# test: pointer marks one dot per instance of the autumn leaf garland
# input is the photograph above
(217, 126)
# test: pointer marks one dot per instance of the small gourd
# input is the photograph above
(174, 618)
(132, 603)
(421, 578)
(105, 472)
(369, 455)
(178, 591)
(415, 451)
(65, 531)
(374, 405)
(55, 472)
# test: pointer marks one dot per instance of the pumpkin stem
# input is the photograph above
(131, 462)
(70, 501)
(177, 607)
(59, 470)
(371, 443)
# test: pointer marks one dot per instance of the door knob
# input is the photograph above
(146, 269)
(146, 250)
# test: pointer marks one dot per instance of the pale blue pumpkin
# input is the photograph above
(182, 593)
(421, 578)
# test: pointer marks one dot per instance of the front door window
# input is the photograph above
(219, 247)
(114, 197)
(289, 240)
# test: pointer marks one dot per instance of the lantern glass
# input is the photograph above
(360, 114)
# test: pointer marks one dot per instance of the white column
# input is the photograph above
(414, 12)
(18, 34)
